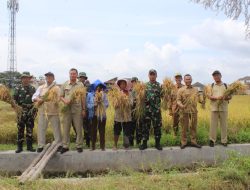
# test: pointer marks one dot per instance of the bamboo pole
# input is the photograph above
(34, 162)
(43, 162)
(39, 163)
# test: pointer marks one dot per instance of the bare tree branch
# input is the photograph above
(232, 9)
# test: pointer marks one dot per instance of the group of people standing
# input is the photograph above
(82, 114)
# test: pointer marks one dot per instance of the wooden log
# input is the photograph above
(34, 162)
(43, 163)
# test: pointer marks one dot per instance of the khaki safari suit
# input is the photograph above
(219, 113)
(48, 113)
(174, 108)
(189, 113)
(72, 114)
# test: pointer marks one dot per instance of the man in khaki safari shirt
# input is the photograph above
(187, 99)
(48, 111)
(219, 112)
(74, 113)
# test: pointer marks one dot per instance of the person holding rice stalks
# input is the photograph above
(219, 109)
(138, 94)
(187, 99)
(23, 97)
(97, 103)
(5, 96)
(83, 78)
(122, 101)
(73, 96)
(173, 107)
(47, 98)
(153, 94)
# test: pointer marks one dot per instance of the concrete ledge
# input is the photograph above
(117, 160)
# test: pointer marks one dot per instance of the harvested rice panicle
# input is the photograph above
(5, 96)
(99, 103)
(139, 89)
(77, 95)
(120, 101)
(168, 88)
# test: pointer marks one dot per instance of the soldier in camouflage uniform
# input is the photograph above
(152, 111)
(23, 97)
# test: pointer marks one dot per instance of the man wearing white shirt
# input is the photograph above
(48, 111)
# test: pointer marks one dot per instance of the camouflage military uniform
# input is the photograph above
(23, 97)
(152, 110)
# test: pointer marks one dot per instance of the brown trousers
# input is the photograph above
(176, 120)
(188, 121)
(100, 125)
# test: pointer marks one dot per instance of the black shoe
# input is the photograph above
(63, 150)
(88, 143)
(79, 150)
(39, 149)
(143, 146)
(183, 146)
(59, 148)
(211, 143)
(30, 148)
(157, 144)
(19, 148)
(138, 142)
(195, 145)
(131, 142)
(224, 144)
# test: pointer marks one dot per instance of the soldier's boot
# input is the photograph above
(138, 141)
(88, 142)
(158, 144)
(30, 147)
(144, 145)
(19, 147)
(131, 141)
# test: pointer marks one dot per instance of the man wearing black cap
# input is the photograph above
(22, 96)
(219, 112)
(48, 110)
(153, 95)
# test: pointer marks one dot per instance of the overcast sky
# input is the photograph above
(125, 38)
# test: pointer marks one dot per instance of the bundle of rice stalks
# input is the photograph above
(50, 96)
(5, 96)
(168, 89)
(205, 94)
(100, 107)
(191, 103)
(121, 102)
(235, 87)
(77, 96)
(138, 112)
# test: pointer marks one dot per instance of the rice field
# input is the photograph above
(238, 130)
